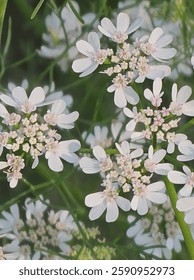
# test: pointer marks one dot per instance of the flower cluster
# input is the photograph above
(128, 173)
(26, 132)
(129, 62)
(43, 234)
(47, 234)
(158, 233)
(63, 29)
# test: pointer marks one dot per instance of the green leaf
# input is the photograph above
(39, 5)
(8, 40)
(3, 5)
(75, 12)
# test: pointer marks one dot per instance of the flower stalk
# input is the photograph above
(189, 242)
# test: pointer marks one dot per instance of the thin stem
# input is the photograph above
(180, 219)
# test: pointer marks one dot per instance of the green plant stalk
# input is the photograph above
(189, 242)
(3, 6)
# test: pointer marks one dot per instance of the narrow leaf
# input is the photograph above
(39, 5)
(75, 12)
(3, 5)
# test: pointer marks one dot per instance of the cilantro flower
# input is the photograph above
(119, 34)
(22, 102)
(94, 55)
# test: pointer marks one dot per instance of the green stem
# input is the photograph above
(180, 219)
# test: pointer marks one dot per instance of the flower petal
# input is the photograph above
(99, 153)
(185, 204)
(131, 95)
(19, 95)
(94, 199)
(122, 22)
(85, 48)
(112, 212)
(119, 98)
(156, 197)
(177, 177)
(123, 203)
(55, 163)
(37, 96)
(89, 165)
(97, 211)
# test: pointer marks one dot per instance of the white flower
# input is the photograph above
(148, 241)
(153, 72)
(36, 208)
(56, 115)
(155, 96)
(174, 139)
(144, 194)
(179, 105)
(94, 55)
(101, 163)
(152, 163)
(119, 34)
(187, 150)
(186, 178)
(99, 137)
(64, 150)
(123, 93)
(124, 150)
(21, 101)
(12, 222)
(132, 115)
(186, 205)
(17, 251)
(156, 43)
(108, 199)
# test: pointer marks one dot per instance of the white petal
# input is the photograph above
(111, 88)
(55, 163)
(94, 41)
(85, 48)
(70, 157)
(135, 25)
(174, 92)
(134, 230)
(68, 146)
(177, 177)
(134, 202)
(119, 98)
(8, 100)
(66, 121)
(185, 204)
(142, 207)
(170, 148)
(186, 148)
(156, 197)
(148, 94)
(89, 70)
(58, 107)
(89, 165)
(155, 35)
(131, 125)
(137, 153)
(163, 168)
(125, 147)
(37, 96)
(189, 217)
(80, 65)
(159, 155)
(3, 111)
(35, 162)
(123, 203)
(107, 28)
(185, 157)
(112, 211)
(163, 54)
(184, 94)
(157, 86)
(97, 211)
(122, 22)
(131, 95)
(164, 41)
(128, 113)
(157, 186)
(99, 153)
(94, 199)
(19, 95)
(187, 108)
(186, 190)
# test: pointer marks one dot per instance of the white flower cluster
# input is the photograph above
(26, 132)
(159, 123)
(158, 233)
(63, 29)
(42, 234)
(127, 173)
(129, 62)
